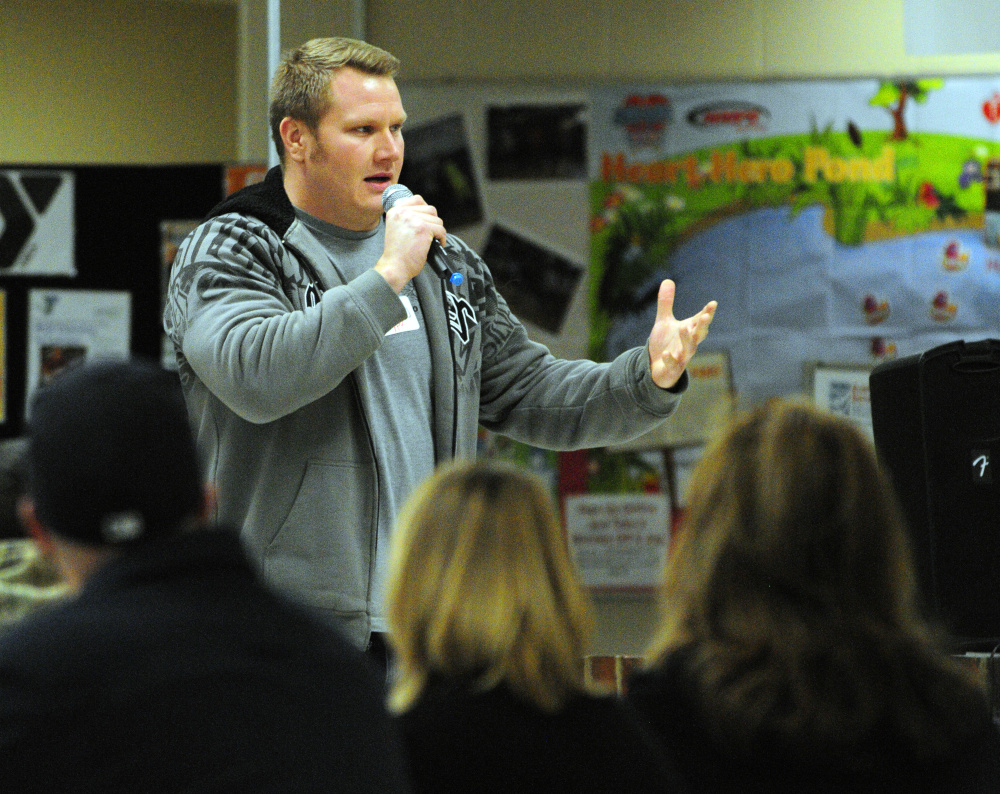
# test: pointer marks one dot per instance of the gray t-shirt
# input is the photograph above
(396, 392)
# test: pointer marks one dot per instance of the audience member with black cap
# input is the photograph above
(171, 668)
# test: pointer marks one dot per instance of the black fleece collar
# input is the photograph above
(266, 201)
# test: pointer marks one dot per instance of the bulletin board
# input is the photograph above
(81, 252)
(838, 223)
(848, 221)
(506, 167)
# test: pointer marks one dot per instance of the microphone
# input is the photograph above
(435, 256)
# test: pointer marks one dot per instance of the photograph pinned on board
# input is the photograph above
(438, 167)
(537, 282)
(842, 389)
(537, 141)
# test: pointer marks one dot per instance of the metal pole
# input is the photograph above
(273, 57)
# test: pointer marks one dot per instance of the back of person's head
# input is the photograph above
(481, 588)
(111, 457)
(789, 510)
(300, 88)
(792, 589)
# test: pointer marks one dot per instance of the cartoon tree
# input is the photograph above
(893, 96)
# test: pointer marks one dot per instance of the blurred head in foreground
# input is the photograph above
(482, 589)
(792, 591)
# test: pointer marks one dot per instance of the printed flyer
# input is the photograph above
(68, 325)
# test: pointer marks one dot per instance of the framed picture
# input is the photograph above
(537, 282)
(439, 168)
(544, 141)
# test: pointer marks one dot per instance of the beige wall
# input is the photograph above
(652, 39)
(300, 21)
(117, 81)
(166, 81)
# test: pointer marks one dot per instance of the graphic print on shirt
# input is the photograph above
(488, 323)
(461, 317)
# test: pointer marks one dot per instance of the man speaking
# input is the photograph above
(327, 370)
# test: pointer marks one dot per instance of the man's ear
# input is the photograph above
(294, 136)
(33, 527)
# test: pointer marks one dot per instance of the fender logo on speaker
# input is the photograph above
(982, 474)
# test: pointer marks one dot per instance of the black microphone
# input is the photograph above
(435, 256)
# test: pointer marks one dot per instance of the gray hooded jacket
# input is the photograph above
(268, 334)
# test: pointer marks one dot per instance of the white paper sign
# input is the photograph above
(37, 230)
(67, 325)
(618, 541)
(844, 390)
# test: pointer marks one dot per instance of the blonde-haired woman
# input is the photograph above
(489, 626)
(791, 656)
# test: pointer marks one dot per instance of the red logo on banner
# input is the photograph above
(644, 118)
(742, 115)
(991, 108)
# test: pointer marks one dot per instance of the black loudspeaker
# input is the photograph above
(936, 422)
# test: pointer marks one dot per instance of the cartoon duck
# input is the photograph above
(941, 309)
(875, 311)
(954, 257)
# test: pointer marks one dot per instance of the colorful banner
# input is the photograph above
(845, 221)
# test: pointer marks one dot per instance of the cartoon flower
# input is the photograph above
(972, 171)
(673, 203)
(928, 195)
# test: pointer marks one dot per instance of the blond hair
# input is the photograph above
(481, 587)
(301, 85)
(792, 588)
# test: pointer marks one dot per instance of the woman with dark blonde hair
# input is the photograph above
(791, 655)
(489, 626)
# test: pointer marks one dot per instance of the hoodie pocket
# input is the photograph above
(322, 552)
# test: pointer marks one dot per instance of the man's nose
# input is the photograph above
(390, 146)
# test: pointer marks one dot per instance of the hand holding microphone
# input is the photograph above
(435, 255)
